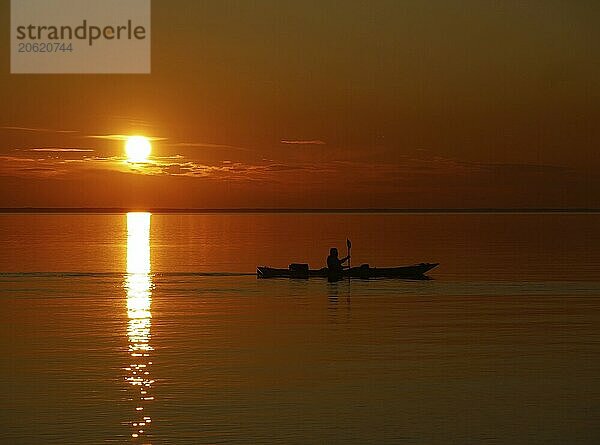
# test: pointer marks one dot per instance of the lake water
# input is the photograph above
(149, 329)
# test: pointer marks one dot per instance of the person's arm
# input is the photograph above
(343, 260)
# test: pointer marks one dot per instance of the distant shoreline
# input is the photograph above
(294, 210)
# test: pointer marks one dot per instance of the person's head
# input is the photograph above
(333, 252)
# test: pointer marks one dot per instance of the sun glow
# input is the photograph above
(138, 149)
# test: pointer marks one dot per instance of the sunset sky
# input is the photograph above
(321, 104)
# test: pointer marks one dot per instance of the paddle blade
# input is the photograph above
(348, 243)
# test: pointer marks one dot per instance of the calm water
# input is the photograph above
(144, 329)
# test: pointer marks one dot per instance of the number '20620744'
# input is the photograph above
(51, 47)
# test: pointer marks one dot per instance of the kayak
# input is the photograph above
(365, 272)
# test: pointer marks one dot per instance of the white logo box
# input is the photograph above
(80, 36)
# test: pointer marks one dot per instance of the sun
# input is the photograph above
(138, 148)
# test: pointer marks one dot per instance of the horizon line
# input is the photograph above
(159, 210)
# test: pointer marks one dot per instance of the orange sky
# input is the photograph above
(322, 104)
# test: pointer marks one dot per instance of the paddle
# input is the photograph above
(349, 246)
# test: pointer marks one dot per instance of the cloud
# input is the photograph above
(431, 175)
(27, 167)
(525, 168)
(303, 142)
(60, 150)
(208, 145)
(38, 169)
(282, 167)
(121, 137)
(38, 130)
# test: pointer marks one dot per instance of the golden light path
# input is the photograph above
(138, 284)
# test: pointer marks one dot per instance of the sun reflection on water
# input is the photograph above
(138, 284)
